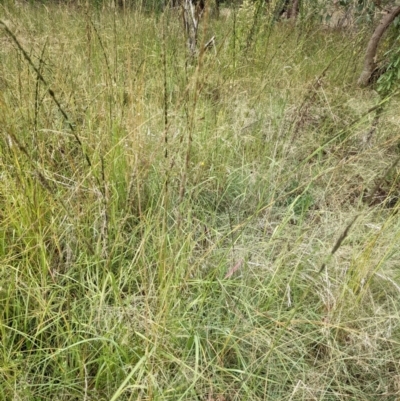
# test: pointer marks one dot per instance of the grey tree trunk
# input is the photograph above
(191, 19)
(370, 54)
(294, 10)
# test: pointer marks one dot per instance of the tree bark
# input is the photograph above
(191, 23)
(370, 55)
(293, 11)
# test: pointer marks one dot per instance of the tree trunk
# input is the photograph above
(370, 55)
(293, 11)
(191, 22)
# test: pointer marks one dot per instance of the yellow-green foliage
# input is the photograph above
(179, 229)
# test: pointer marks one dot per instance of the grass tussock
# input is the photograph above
(174, 229)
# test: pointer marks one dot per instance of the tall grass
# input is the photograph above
(164, 227)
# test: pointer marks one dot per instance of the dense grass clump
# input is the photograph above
(222, 228)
